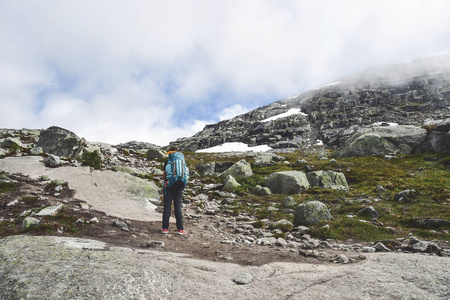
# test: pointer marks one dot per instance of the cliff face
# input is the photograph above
(413, 93)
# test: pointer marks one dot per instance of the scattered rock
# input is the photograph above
(61, 142)
(381, 247)
(341, 259)
(311, 213)
(154, 244)
(261, 191)
(50, 211)
(238, 170)
(245, 278)
(288, 202)
(287, 182)
(52, 161)
(328, 180)
(230, 184)
(405, 196)
(369, 212)
(28, 223)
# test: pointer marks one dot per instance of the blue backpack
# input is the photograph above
(176, 169)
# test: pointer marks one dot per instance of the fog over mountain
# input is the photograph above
(411, 93)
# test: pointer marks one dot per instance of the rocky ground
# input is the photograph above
(105, 242)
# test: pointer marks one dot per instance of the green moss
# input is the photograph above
(30, 200)
(343, 228)
(92, 159)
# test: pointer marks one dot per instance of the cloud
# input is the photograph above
(159, 70)
(232, 111)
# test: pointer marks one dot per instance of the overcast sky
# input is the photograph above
(154, 71)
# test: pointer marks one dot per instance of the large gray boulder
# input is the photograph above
(438, 140)
(239, 170)
(12, 143)
(155, 153)
(287, 182)
(207, 169)
(61, 142)
(311, 213)
(230, 184)
(328, 180)
(402, 139)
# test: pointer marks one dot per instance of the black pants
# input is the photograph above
(175, 193)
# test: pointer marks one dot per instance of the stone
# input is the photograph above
(52, 161)
(28, 223)
(311, 213)
(420, 246)
(341, 259)
(155, 153)
(12, 143)
(381, 247)
(61, 142)
(244, 278)
(367, 249)
(328, 180)
(379, 189)
(287, 182)
(238, 170)
(36, 151)
(13, 203)
(369, 211)
(50, 211)
(230, 184)
(262, 191)
(154, 244)
(436, 141)
(281, 242)
(207, 169)
(402, 139)
(405, 196)
(282, 224)
(288, 202)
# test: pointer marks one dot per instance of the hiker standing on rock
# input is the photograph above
(175, 177)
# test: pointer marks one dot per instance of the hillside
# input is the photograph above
(413, 93)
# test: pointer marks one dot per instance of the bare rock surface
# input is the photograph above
(106, 191)
(72, 268)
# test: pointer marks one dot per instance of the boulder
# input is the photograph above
(239, 170)
(61, 142)
(405, 196)
(282, 224)
(311, 213)
(12, 143)
(50, 211)
(402, 139)
(207, 169)
(259, 190)
(52, 161)
(230, 184)
(28, 223)
(36, 151)
(288, 202)
(370, 212)
(287, 182)
(328, 180)
(155, 153)
(437, 140)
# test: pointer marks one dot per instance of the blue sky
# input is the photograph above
(155, 71)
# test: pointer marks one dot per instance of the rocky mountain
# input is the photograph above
(412, 93)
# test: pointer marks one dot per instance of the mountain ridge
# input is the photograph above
(410, 93)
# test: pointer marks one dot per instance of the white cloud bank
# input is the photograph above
(159, 70)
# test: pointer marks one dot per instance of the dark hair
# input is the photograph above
(173, 148)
